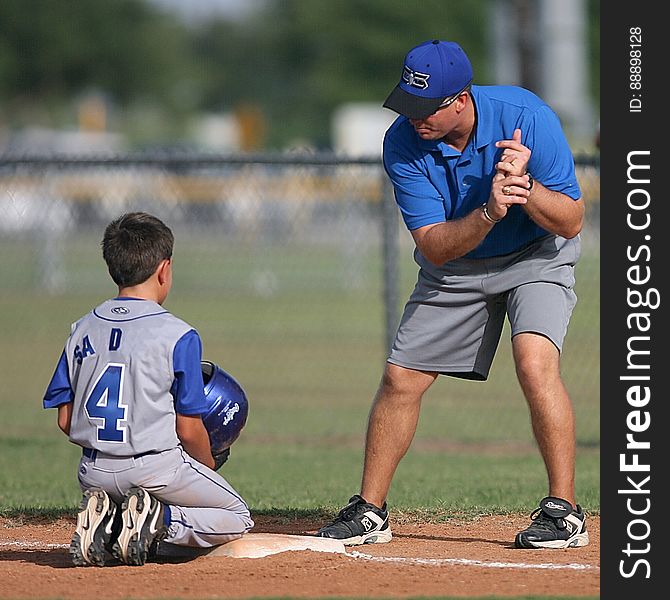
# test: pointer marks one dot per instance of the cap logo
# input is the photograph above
(414, 78)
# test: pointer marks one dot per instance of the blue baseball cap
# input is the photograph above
(433, 71)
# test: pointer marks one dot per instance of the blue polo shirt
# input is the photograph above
(434, 183)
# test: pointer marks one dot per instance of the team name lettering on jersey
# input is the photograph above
(85, 350)
(115, 338)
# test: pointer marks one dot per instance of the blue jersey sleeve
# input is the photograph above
(188, 387)
(420, 203)
(551, 161)
(59, 390)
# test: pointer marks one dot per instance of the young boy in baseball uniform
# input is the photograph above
(129, 390)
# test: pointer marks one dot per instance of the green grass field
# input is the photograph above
(302, 330)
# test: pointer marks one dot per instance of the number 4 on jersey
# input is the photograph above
(105, 403)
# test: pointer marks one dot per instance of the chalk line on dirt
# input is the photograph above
(469, 562)
(32, 545)
(26, 545)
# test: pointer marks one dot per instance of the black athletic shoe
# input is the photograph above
(359, 522)
(94, 534)
(555, 525)
(142, 527)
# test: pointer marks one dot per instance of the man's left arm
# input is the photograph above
(552, 210)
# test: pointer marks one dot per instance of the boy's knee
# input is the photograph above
(248, 521)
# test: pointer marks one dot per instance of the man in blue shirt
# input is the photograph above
(485, 182)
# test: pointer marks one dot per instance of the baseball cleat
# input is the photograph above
(359, 522)
(142, 525)
(555, 525)
(94, 532)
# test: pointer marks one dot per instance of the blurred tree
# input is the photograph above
(293, 61)
(300, 59)
(52, 50)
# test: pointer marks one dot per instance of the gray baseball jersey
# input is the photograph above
(121, 366)
(128, 367)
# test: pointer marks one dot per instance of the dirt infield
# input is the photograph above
(459, 558)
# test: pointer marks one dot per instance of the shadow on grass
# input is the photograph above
(23, 515)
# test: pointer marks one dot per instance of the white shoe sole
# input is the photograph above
(129, 547)
(374, 537)
(576, 541)
(84, 548)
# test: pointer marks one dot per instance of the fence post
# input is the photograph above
(390, 254)
(51, 263)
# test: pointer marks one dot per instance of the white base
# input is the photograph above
(256, 545)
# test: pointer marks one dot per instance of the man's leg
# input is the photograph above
(391, 427)
(551, 413)
(559, 522)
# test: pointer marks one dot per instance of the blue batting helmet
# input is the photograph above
(229, 407)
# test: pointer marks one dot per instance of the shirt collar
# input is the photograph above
(483, 127)
(484, 124)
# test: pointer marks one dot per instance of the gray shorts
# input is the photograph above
(204, 509)
(453, 320)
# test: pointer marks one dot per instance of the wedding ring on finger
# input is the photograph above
(507, 190)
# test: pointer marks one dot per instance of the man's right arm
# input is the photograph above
(423, 208)
(445, 241)
(442, 242)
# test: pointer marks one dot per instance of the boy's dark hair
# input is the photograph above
(134, 245)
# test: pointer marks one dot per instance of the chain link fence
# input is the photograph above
(293, 268)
